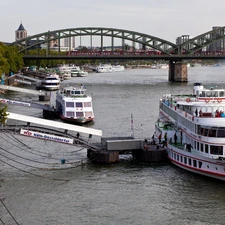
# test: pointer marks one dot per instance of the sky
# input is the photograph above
(165, 19)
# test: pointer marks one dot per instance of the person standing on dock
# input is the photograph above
(160, 137)
(165, 137)
(175, 138)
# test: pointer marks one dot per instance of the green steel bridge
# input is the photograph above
(190, 49)
(210, 45)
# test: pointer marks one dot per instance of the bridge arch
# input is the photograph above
(34, 41)
(203, 40)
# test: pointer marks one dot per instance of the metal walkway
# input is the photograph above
(30, 91)
(26, 104)
(50, 123)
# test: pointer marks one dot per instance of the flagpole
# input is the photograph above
(132, 125)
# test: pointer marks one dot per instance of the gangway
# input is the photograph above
(26, 104)
(27, 78)
(24, 90)
(54, 124)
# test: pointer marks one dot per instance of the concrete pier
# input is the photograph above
(142, 150)
(178, 71)
(151, 154)
(103, 157)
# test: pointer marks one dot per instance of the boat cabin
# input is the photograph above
(74, 91)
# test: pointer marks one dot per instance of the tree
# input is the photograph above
(10, 59)
(3, 115)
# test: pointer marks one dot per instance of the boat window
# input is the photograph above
(198, 146)
(87, 104)
(69, 114)
(181, 158)
(201, 147)
(174, 155)
(202, 94)
(79, 114)
(69, 104)
(216, 150)
(221, 93)
(77, 92)
(189, 161)
(199, 164)
(178, 158)
(79, 104)
(88, 114)
(185, 160)
(206, 148)
(221, 132)
(208, 94)
(194, 163)
(212, 132)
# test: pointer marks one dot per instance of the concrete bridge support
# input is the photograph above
(178, 71)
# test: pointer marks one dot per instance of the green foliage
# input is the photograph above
(10, 59)
(3, 115)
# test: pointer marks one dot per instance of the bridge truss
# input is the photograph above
(192, 48)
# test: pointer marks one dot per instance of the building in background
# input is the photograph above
(218, 46)
(20, 33)
(68, 42)
(183, 39)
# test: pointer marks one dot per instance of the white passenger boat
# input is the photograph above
(199, 124)
(104, 68)
(77, 72)
(65, 71)
(50, 83)
(73, 105)
(118, 68)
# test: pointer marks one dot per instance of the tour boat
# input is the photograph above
(104, 68)
(118, 68)
(192, 128)
(50, 83)
(65, 71)
(77, 72)
(73, 105)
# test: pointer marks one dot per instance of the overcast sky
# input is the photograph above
(166, 19)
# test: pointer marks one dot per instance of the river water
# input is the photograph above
(127, 193)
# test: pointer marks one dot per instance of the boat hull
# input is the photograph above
(196, 163)
(81, 120)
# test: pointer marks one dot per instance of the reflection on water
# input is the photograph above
(124, 193)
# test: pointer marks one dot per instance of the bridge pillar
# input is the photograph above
(178, 71)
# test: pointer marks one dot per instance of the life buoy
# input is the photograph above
(188, 99)
(207, 100)
(219, 100)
